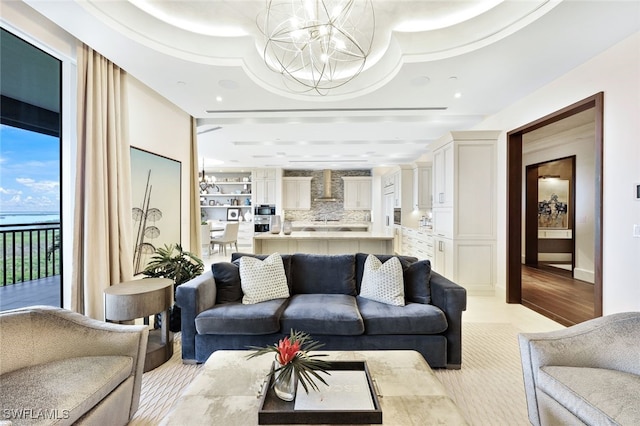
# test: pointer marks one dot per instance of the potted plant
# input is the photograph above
(174, 263)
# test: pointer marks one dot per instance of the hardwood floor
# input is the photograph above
(562, 299)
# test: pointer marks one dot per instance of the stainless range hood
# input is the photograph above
(326, 187)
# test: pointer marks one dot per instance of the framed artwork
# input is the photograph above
(233, 214)
(553, 203)
(155, 195)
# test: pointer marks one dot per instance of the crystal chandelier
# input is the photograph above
(317, 45)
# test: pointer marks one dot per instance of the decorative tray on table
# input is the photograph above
(350, 398)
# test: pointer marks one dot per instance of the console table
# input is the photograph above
(124, 302)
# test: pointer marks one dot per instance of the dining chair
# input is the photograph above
(228, 237)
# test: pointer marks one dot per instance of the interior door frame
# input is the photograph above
(514, 196)
(531, 243)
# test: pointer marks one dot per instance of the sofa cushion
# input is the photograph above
(328, 314)
(413, 318)
(67, 388)
(286, 262)
(594, 395)
(236, 318)
(263, 280)
(227, 278)
(323, 274)
(417, 282)
(383, 282)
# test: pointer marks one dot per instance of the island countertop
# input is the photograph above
(324, 242)
(325, 235)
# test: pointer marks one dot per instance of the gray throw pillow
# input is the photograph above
(227, 278)
(417, 282)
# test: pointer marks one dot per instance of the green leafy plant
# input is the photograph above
(172, 262)
(292, 354)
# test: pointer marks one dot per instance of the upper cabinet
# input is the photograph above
(397, 186)
(443, 175)
(262, 174)
(296, 193)
(357, 193)
(264, 186)
(422, 186)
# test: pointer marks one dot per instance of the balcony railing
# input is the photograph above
(29, 252)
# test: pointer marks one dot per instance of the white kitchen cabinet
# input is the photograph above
(397, 190)
(296, 193)
(443, 175)
(401, 181)
(422, 187)
(443, 258)
(417, 243)
(464, 209)
(388, 211)
(357, 193)
(397, 239)
(265, 174)
(264, 191)
(264, 186)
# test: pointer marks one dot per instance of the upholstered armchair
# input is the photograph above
(585, 374)
(65, 368)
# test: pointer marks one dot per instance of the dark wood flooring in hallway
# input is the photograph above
(560, 298)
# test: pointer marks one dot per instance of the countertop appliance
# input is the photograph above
(397, 216)
(262, 217)
(265, 210)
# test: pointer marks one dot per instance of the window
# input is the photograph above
(30, 191)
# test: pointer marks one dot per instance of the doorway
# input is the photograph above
(516, 230)
(550, 208)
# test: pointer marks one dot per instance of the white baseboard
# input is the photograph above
(584, 275)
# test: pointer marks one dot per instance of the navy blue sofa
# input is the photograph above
(324, 302)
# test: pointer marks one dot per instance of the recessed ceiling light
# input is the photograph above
(219, 98)
(457, 95)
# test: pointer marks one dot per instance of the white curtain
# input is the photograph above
(194, 188)
(103, 223)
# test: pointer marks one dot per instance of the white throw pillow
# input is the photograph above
(262, 280)
(383, 282)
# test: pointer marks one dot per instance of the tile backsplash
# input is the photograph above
(331, 210)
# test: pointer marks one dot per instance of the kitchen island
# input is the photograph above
(333, 242)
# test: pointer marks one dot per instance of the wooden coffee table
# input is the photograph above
(227, 391)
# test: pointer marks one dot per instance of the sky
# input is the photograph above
(29, 171)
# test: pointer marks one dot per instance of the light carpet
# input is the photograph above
(488, 388)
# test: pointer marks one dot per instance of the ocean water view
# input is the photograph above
(24, 218)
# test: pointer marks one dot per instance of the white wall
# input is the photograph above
(616, 72)
(158, 126)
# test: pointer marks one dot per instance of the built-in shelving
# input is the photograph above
(222, 191)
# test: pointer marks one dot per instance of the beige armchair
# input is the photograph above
(65, 368)
(228, 237)
(585, 374)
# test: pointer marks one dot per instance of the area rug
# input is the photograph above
(162, 386)
(488, 388)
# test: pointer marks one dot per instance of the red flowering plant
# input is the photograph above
(293, 358)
